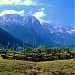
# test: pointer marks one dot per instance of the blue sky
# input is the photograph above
(59, 12)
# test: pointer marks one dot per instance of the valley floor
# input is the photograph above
(20, 67)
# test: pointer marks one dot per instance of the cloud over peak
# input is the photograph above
(39, 15)
(22, 12)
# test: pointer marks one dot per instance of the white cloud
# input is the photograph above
(45, 21)
(29, 2)
(42, 9)
(18, 2)
(9, 2)
(39, 15)
(22, 12)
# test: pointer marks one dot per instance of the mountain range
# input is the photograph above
(28, 28)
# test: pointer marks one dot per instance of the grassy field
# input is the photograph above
(20, 67)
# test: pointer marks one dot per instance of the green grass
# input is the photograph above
(58, 67)
(19, 67)
(0, 58)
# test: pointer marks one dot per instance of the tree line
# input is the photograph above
(41, 53)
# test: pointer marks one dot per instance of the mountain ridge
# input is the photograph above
(27, 27)
(6, 38)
